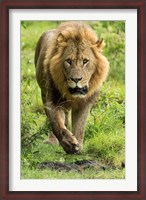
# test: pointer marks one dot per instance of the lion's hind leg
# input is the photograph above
(52, 139)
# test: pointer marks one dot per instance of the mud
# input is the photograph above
(78, 165)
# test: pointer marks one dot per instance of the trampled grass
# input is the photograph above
(105, 131)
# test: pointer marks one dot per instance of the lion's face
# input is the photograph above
(78, 67)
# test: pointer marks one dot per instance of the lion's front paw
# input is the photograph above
(70, 144)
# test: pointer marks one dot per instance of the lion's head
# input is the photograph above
(75, 62)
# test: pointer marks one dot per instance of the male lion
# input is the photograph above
(70, 70)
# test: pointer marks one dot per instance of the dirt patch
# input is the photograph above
(78, 165)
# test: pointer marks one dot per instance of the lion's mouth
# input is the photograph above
(78, 91)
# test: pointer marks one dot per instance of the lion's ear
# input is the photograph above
(100, 44)
(61, 38)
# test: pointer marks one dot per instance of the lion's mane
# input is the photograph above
(53, 63)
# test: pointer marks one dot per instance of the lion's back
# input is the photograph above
(43, 43)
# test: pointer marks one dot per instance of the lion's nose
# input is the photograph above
(76, 80)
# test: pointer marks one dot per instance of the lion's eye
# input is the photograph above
(85, 61)
(68, 61)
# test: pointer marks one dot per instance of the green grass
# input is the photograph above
(105, 130)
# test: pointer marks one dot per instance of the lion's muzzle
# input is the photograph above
(78, 91)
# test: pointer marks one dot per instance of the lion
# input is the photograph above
(70, 70)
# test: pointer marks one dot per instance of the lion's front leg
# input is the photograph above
(79, 117)
(57, 118)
